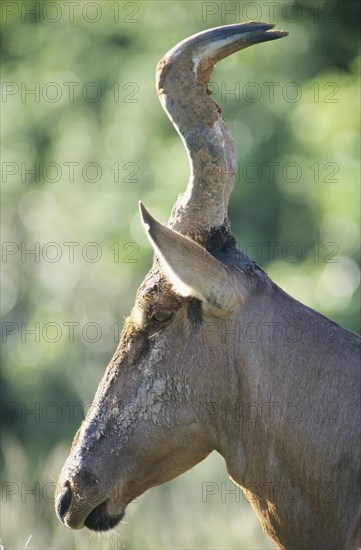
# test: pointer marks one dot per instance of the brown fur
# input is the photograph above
(238, 366)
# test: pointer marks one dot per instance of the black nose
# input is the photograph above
(63, 500)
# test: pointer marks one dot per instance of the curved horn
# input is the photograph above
(182, 78)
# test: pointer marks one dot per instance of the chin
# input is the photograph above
(100, 520)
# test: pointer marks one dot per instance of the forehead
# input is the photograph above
(155, 287)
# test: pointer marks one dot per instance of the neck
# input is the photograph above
(280, 408)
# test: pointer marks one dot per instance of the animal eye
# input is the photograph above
(162, 315)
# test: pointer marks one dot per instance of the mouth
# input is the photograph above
(99, 519)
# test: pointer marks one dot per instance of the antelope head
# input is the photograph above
(146, 424)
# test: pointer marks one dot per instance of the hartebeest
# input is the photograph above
(190, 376)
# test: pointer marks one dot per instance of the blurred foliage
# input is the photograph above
(115, 137)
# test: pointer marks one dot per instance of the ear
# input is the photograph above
(191, 269)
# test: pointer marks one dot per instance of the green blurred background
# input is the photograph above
(77, 155)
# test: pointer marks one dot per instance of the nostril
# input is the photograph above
(63, 500)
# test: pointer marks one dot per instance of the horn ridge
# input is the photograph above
(182, 77)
